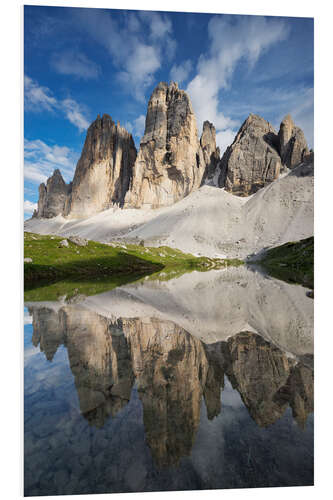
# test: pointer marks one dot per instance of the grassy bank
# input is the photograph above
(96, 267)
(291, 262)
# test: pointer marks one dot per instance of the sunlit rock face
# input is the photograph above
(53, 196)
(170, 163)
(104, 170)
(292, 143)
(252, 161)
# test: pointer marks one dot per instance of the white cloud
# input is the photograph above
(40, 160)
(160, 25)
(140, 68)
(224, 138)
(181, 73)
(243, 38)
(38, 98)
(75, 63)
(137, 46)
(75, 114)
(29, 207)
(137, 128)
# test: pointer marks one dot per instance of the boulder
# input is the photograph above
(80, 242)
(252, 161)
(170, 163)
(292, 143)
(64, 243)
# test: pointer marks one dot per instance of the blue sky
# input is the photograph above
(80, 62)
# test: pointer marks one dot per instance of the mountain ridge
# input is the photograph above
(171, 162)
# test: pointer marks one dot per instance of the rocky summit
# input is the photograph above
(252, 160)
(210, 151)
(170, 163)
(104, 170)
(292, 144)
(53, 196)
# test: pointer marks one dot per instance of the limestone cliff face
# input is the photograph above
(104, 170)
(292, 143)
(258, 155)
(53, 196)
(252, 160)
(210, 152)
(170, 163)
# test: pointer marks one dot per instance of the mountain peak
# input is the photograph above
(252, 161)
(292, 143)
(170, 162)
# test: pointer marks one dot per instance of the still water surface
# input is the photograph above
(121, 397)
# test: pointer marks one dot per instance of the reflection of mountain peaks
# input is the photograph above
(258, 370)
(173, 372)
(171, 369)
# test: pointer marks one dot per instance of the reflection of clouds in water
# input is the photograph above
(30, 352)
(230, 397)
(208, 454)
(208, 450)
(27, 317)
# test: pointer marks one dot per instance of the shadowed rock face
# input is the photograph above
(104, 170)
(173, 371)
(170, 163)
(292, 144)
(252, 161)
(53, 197)
(211, 153)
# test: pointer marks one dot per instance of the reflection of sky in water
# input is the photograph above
(67, 451)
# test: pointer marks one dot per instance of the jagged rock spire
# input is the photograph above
(52, 196)
(292, 143)
(104, 170)
(210, 151)
(170, 163)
